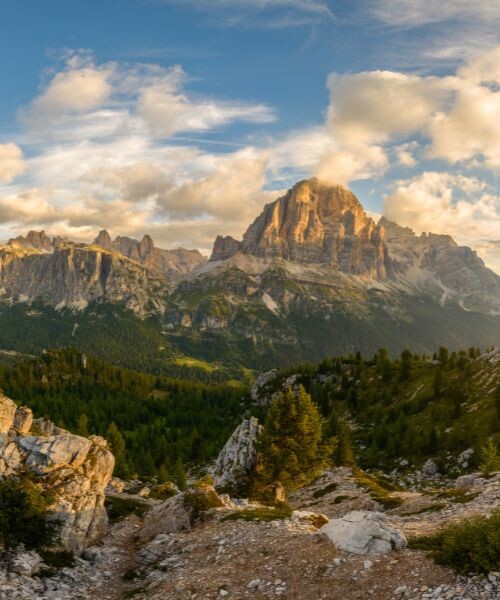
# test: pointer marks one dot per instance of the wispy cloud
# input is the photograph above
(415, 13)
(274, 13)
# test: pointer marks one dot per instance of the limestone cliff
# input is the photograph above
(73, 469)
(76, 274)
(430, 259)
(224, 247)
(166, 262)
(316, 223)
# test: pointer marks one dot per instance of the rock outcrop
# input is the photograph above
(363, 532)
(238, 456)
(172, 263)
(180, 512)
(37, 240)
(73, 469)
(224, 247)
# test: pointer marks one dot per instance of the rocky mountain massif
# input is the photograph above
(313, 275)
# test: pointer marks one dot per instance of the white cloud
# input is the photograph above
(373, 106)
(80, 87)
(233, 190)
(446, 203)
(414, 13)
(275, 13)
(483, 68)
(361, 162)
(12, 163)
(166, 110)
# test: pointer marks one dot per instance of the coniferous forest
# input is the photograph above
(378, 409)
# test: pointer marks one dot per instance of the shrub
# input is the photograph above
(199, 501)
(490, 458)
(471, 546)
(24, 516)
(377, 491)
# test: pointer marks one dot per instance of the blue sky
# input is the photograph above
(183, 117)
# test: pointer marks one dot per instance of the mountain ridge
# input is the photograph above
(313, 275)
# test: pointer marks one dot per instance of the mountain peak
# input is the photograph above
(33, 239)
(104, 239)
(318, 223)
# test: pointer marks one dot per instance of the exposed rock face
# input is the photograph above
(259, 392)
(362, 532)
(316, 223)
(37, 240)
(457, 270)
(74, 469)
(167, 262)
(75, 274)
(224, 247)
(238, 456)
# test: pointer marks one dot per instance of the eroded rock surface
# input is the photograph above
(238, 456)
(363, 532)
(74, 469)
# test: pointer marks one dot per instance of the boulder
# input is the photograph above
(180, 512)
(362, 532)
(307, 517)
(26, 563)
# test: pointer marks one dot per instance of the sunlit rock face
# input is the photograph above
(74, 275)
(172, 263)
(74, 470)
(317, 223)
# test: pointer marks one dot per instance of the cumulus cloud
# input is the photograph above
(448, 203)
(80, 87)
(167, 110)
(470, 129)
(374, 116)
(233, 191)
(372, 106)
(12, 162)
(369, 109)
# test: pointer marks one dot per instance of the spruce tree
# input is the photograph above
(117, 444)
(291, 448)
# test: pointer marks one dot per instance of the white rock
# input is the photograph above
(363, 532)
(26, 563)
(238, 456)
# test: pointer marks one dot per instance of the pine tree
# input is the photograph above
(343, 455)
(179, 475)
(291, 448)
(83, 426)
(490, 458)
(117, 444)
(405, 366)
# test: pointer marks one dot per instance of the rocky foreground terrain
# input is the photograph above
(293, 557)
(340, 537)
